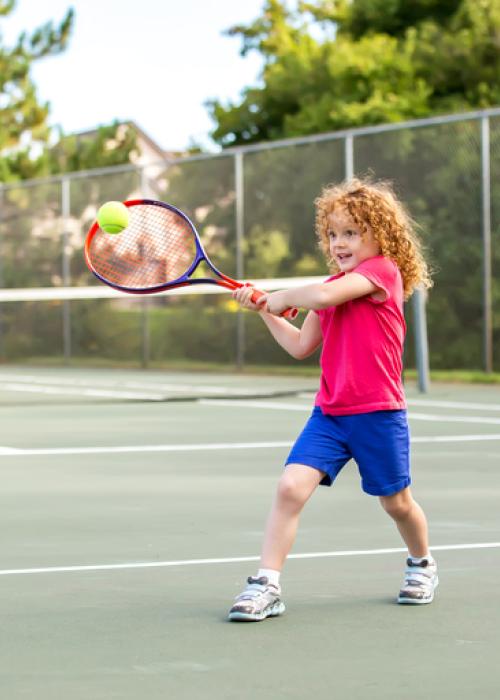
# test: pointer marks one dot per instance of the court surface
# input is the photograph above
(131, 516)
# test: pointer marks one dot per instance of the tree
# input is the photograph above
(335, 64)
(23, 118)
(30, 225)
(107, 146)
(25, 148)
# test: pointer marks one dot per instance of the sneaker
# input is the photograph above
(259, 600)
(421, 580)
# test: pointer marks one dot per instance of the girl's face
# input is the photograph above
(348, 245)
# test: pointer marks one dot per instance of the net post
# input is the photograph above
(240, 212)
(66, 273)
(421, 342)
(486, 231)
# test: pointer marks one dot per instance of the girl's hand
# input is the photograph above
(243, 296)
(276, 303)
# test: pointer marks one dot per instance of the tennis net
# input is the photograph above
(185, 331)
(187, 327)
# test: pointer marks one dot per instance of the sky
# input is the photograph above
(155, 62)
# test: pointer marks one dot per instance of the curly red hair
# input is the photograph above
(374, 204)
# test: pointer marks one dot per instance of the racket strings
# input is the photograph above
(158, 246)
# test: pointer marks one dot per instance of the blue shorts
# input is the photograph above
(379, 442)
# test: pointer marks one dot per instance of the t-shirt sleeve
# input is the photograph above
(320, 312)
(382, 272)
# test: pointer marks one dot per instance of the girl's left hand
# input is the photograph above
(276, 303)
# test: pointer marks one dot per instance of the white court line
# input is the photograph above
(437, 418)
(17, 452)
(432, 403)
(40, 451)
(454, 404)
(235, 560)
(28, 382)
(428, 402)
(278, 405)
(95, 393)
(81, 387)
(30, 379)
(273, 405)
(456, 438)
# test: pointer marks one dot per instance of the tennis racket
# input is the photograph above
(159, 250)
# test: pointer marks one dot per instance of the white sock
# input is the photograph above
(272, 575)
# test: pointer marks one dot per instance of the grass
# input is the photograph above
(459, 376)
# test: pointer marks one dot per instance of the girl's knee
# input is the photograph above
(398, 506)
(291, 489)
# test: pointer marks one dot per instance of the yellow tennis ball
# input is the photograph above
(113, 217)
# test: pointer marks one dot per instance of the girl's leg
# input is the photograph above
(421, 577)
(262, 597)
(295, 486)
(410, 520)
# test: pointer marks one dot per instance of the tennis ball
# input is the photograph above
(113, 217)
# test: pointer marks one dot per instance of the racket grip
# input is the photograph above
(290, 313)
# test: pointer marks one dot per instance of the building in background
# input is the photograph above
(148, 150)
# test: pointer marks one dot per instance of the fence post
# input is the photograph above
(66, 273)
(486, 227)
(240, 222)
(145, 325)
(349, 156)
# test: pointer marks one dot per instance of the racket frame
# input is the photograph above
(184, 280)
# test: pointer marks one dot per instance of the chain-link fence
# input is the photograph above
(254, 208)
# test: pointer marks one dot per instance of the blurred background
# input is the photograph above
(406, 92)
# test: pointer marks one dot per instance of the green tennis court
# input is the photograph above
(132, 511)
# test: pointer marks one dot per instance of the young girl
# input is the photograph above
(360, 408)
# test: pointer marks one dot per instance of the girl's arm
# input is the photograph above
(298, 342)
(320, 296)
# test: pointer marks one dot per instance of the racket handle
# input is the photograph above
(290, 313)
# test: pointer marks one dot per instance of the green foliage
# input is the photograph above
(266, 249)
(393, 17)
(198, 329)
(280, 187)
(333, 64)
(26, 150)
(205, 190)
(107, 146)
(330, 65)
(22, 115)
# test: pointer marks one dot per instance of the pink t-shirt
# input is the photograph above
(361, 359)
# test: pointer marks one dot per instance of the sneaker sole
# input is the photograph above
(274, 611)
(419, 601)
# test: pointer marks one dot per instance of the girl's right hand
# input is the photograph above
(243, 296)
